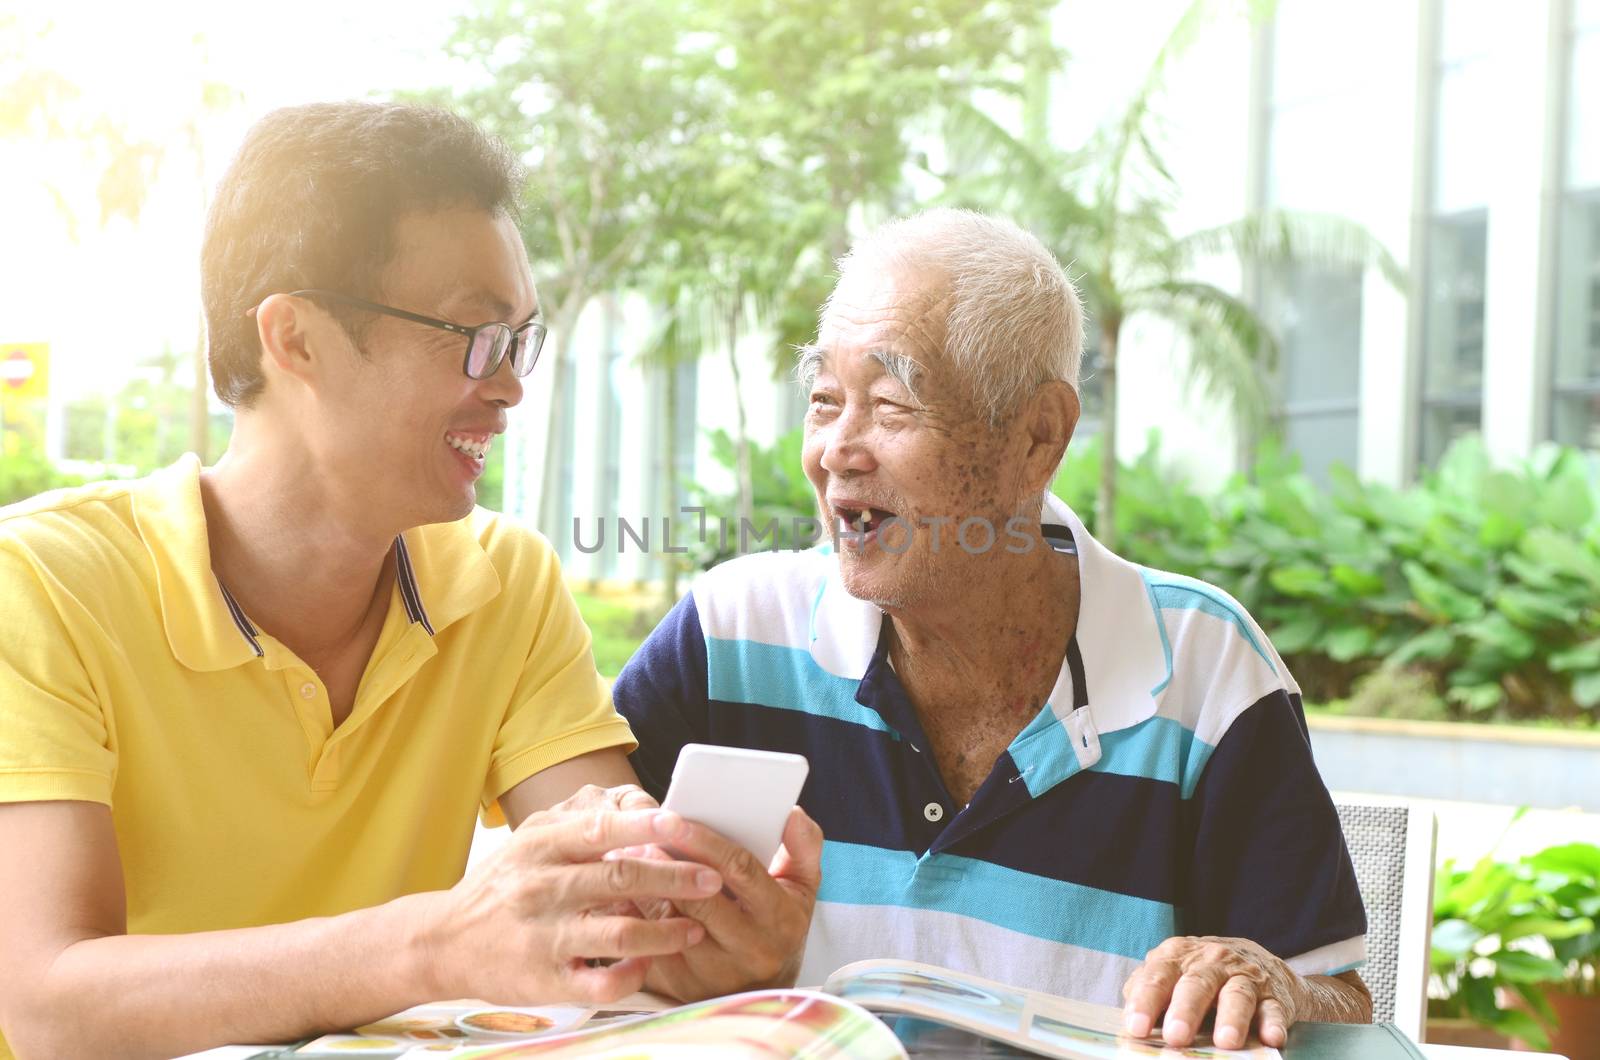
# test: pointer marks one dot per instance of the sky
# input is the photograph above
(109, 296)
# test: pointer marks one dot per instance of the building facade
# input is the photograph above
(1465, 135)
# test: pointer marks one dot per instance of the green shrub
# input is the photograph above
(1485, 580)
(1474, 594)
(1397, 692)
(782, 495)
(617, 625)
(24, 471)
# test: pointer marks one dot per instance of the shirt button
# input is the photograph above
(933, 811)
(308, 690)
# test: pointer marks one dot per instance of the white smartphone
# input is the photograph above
(743, 795)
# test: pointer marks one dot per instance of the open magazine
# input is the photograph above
(871, 1010)
(934, 1001)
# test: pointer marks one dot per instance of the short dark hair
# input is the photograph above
(311, 200)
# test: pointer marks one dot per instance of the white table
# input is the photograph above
(1463, 1052)
(1432, 1052)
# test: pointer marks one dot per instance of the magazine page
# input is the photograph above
(447, 1025)
(766, 1025)
(1040, 1023)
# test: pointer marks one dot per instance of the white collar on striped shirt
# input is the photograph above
(1119, 632)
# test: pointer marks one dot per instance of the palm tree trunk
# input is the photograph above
(669, 473)
(746, 481)
(1105, 523)
(556, 427)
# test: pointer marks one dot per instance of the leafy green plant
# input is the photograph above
(24, 471)
(783, 500)
(618, 625)
(1483, 581)
(1516, 929)
(1397, 692)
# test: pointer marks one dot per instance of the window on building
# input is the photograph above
(1320, 125)
(1452, 354)
(1317, 314)
(1575, 401)
(1455, 260)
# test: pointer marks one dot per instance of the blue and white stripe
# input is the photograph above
(1121, 815)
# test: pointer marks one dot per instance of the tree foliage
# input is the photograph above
(714, 154)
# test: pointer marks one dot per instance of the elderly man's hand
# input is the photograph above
(1185, 977)
(755, 930)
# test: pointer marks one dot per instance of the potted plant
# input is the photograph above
(1568, 882)
(1516, 948)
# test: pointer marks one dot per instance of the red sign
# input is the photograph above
(17, 369)
(24, 370)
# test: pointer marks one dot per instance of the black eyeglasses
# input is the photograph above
(487, 344)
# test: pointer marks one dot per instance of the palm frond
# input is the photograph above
(1233, 354)
(1000, 170)
(1130, 131)
(680, 334)
(1298, 237)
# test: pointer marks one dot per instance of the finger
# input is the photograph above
(601, 883)
(799, 860)
(1147, 992)
(741, 873)
(1196, 991)
(633, 797)
(608, 983)
(628, 936)
(1275, 1023)
(584, 836)
(728, 925)
(750, 909)
(649, 850)
(655, 908)
(1236, 1009)
(620, 908)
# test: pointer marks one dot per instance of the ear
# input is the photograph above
(292, 331)
(1050, 416)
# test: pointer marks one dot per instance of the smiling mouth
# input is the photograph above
(473, 446)
(859, 519)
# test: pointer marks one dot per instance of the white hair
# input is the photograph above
(1015, 321)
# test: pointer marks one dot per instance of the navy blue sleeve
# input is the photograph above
(1268, 860)
(662, 691)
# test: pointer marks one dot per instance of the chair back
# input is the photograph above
(1392, 845)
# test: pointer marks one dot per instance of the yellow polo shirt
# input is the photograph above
(128, 677)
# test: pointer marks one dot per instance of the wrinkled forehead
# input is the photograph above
(900, 311)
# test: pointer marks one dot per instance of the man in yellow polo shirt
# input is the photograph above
(248, 712)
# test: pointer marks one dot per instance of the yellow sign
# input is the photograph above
(24, 370)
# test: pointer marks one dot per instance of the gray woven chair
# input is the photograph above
(1392, 845)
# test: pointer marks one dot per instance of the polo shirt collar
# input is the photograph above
(1119, 633)
(202, 628)
(442, 573)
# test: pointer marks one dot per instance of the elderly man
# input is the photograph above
(1032, 759)
(248, 712)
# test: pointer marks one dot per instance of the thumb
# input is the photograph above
(799, 860)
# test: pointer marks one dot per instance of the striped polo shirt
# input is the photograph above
(1166, 788)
